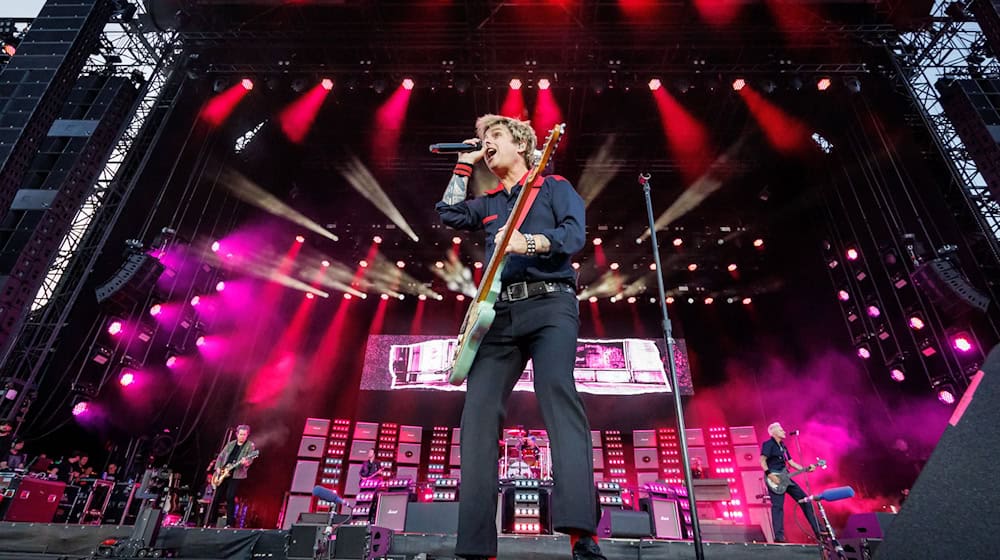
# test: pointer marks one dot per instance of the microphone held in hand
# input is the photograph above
(327, 495)
(830, 495)
(793, 433)
(455, 147)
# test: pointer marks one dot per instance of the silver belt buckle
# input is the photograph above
(517, 291)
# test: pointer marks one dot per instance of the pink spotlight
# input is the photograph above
(747, 301)
(824, 84)
(916, 323)
(127, 378)
(739, 84)
(81, 408)
(377, 239)
(709, 300)
(544, 84)
(852, 254)
(247, 84)
(156, 309)
(897, 375)
(874, 311)
(678, 242)
(460, 297)
(195, 301)
(864, 353)
(478, 264)
(310, 295)
(597, 241)
(515, 84)
(962, 343)
(592, 299)
(115, 328)
(655, 84)
(171, 362)
(408, 84)
(422, 297)
(615, 266)
(200, 341)
(456, 240)
(216, 246)
(758, 242)
(363, 263)
(732, 267)
(692, 267)
(220, 286)
(843, 295)
(384, 296)
(300, 239)
(327, 84)
(400, 264)
(347, 296)
(946, 396)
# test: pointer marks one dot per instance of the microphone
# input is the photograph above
(793, 433)
(454, 147)
(327, 495)
(830, 495)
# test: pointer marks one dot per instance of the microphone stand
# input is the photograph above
(798, 451)
(668, 337)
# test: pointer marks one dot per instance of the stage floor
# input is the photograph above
(37, 541)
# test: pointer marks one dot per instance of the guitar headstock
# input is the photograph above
(820, 463)
(551, 143)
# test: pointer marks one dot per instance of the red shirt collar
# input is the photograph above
(500, 187)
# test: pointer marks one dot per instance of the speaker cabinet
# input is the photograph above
(644, 438)
(408, 454)
(867, 525)
(304, 477)
(664, 513)
(366, 431)
(304, 541)
(295, 506)
(391, 510)
(362, 542)
(432, 517)
(646, 459)
(410, 434)
(318, 427)
(624, 523)
(31, 499)
(311, 447)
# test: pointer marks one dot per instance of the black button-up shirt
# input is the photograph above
(558, 213)
(777, 455)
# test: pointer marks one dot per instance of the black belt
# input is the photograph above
(524, 290)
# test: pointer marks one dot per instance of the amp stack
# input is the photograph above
(526, 507)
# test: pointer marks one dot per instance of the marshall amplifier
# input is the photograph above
(391, 510)
(30, 499)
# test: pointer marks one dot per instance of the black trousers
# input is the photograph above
(227, 492)
(778, 510)
(543, 328)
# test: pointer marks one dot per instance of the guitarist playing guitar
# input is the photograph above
(370, 468)
(237, 454)
(775, 460)
(536, 317)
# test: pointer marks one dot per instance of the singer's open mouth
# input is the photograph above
(490, 152)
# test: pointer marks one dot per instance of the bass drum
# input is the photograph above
(519, 469)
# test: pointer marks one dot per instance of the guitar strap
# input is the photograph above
(532, 195)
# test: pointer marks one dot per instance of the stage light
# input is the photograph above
(216, 246)
(544, 84)
(171, 361)
(247, 84)
(874, 311)
(823, 84)
(732, 267)
(692, 267)
(669, 300)
(597, 241)
(127, 378)
(195, 301)
(477, 264)
(758, 243)
(655, 84)
(400, 264)
(81, 408)
(515, 84)
(327, 84)
(709, 300)
(852, 254)
(739, 84)
(460, 297)
(408, 84)
(115, 327)
(363, 263)
(864, 352)
(832, 263)
(377, 239)
(220, 286)
(439, 264)
(927, 348)
(843, 295)
(422, 297)
(300, 239)
(946, 396)
(852, 84)
(962, 343)
(155, 310)
(200, 341)
(747, 301)
(614, 266)
(592, 299)
(652, 266)
(384, 296)
(310, 295)
(916, 322)
(678, 242)
(631, 299)
(576, 266)
(897, 374)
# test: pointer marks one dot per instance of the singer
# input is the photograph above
(537, 317)
(774, 458)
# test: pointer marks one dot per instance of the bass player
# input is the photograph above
(775, 460)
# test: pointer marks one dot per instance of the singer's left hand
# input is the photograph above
(518, 245)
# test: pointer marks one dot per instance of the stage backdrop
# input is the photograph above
(621, 366)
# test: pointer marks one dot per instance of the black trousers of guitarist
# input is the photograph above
(225, 493)
(778, 510)
(544, 328)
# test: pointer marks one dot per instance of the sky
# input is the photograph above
(20, 8)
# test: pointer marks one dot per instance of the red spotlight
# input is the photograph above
(300, 239)
(544, 84)
(247, 84)
(597, 241)
(739, 84)
(732, 267)
(460, 297)
(678, 242)
(400, 264)
(384, 296)
(655, 84)
(747, 301)
(669, 300)
(422, 297)
(310, 295)
(408, 84)
(592, 299)
(377, 239)
(615, 266)
(652, 266)
(439, 264)
(576, 266)
(631, 299)
(692, 267)
(962, 343)
(327, 84)
(456, 240)
(324, 263)
(515, 83)
(127, 378)
(347, 296)
(478, 264)
(363, 263)
(758, 242)
(709, 300)
(824, 84)
(115, 328)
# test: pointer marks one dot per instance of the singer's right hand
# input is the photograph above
(774, 478)
(472, 158)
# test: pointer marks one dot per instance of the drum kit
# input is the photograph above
(524, 456)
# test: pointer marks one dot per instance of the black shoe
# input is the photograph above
(587, 549)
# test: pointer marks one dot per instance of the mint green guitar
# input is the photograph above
(481, 313)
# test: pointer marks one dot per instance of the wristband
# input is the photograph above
(463, 169)
(530, 240)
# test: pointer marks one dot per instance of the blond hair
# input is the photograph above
(520, 130)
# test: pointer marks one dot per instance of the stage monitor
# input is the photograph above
(623, 366)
